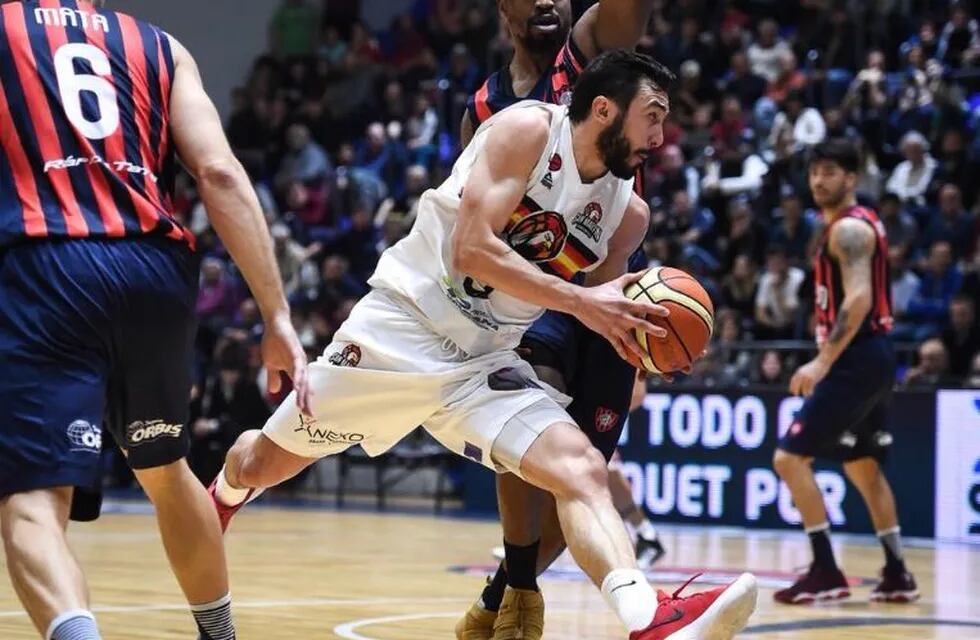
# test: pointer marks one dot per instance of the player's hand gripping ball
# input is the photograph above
(689, 325)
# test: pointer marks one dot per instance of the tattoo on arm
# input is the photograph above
(840, 327)
(852, 246)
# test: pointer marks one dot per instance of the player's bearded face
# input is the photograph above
(616, 151)
(540, 27)
(829, 184)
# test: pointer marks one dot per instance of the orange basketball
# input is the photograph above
(689, 325)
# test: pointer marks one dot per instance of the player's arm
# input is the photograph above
(496, 185)
(627, 239)
(235, 214)
(852, 242)
(611, 24)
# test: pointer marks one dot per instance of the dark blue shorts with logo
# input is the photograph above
(598, 380)
(846, 417)
(93, 334)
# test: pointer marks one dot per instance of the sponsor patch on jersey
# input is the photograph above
(349, 356)
(589, 221)
(84, 436)
(141, 432)
(539, 237)
(605, 419)
(319, 435)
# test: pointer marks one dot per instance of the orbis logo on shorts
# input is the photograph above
(140, 432)
(84, 436)
(319, 435)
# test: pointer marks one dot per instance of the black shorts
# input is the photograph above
(93, 334)
(846, 417)
(598, 380)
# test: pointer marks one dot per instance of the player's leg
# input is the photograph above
(52, 389)
(255, 463)
(864, 471)
(563, 461)
(897, 582)
(550, 347)
(823, 428)
(153, 337)
(45, 573)
(528, 433)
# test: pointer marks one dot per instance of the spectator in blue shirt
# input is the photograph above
(929, 308)
(950, 223)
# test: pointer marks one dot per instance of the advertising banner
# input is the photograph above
(958, 468)
(705, 456)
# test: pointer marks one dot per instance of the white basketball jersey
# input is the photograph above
(562, 225)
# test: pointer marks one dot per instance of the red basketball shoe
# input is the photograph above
(895, 586)
(224, 511)
(717, 614)
(818, 585)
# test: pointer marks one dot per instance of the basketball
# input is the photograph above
(689, 325)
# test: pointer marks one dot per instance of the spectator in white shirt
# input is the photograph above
(777, 300)
(765, 53)
(804, 125)
(911, 178)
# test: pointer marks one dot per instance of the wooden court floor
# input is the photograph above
(315, 574)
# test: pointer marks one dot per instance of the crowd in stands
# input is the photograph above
(342, 129)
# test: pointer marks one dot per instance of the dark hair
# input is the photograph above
(840, 151)
(617, 75)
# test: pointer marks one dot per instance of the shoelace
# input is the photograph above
(677, 594)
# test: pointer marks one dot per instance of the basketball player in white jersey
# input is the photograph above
(541, 193)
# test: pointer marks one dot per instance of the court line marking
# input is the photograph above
(262, 604)
(348, 629)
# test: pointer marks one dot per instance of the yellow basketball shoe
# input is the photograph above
(477, 624)
(521, 616)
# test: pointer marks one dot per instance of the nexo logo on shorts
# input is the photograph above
(84, 436)
(141, 432)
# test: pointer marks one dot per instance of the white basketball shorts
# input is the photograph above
(387, 372)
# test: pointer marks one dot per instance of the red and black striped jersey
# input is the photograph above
(829, 287)
(554, 86)
(85, 149)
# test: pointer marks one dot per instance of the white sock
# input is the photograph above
(229, 495)
(77, 624)
(631, 597)
(647, 531)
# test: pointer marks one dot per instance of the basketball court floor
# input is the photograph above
(322, 574)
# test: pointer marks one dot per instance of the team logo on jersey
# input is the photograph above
(554, 164)
(349, 356)
(564, 96)
(141, 432)
(84, 436)
(605, 419)
(588, 222)
(539, 237)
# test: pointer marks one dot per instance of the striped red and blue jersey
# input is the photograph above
(554, 86)
(85, 150)
(829, 287)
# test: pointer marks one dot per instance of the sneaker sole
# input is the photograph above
(830, 595)
(896, 597)
(727, 615)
